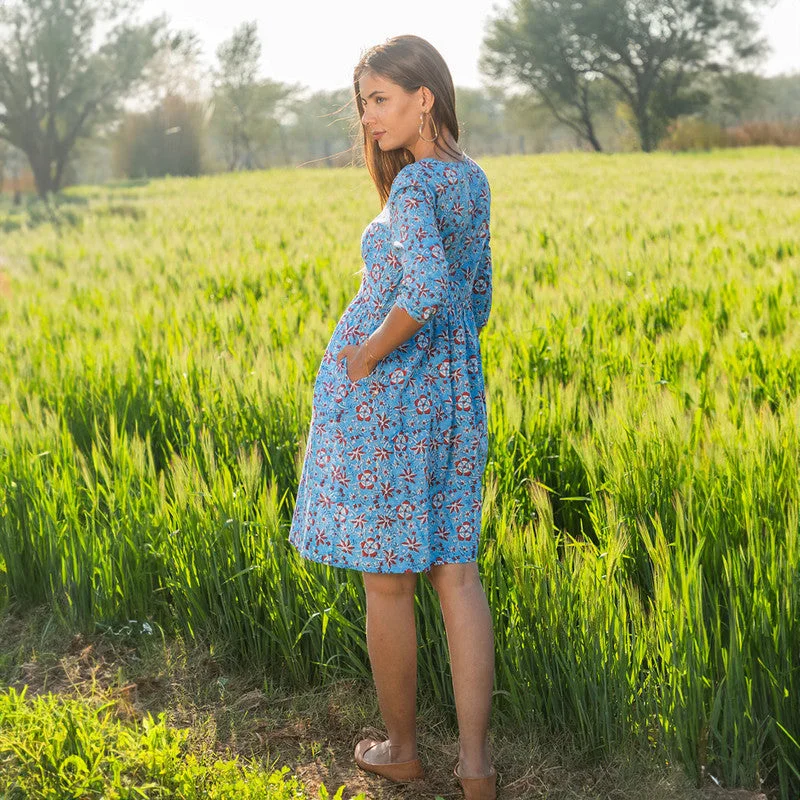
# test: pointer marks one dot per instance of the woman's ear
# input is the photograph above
(427, 99)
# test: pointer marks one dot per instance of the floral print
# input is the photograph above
(391, 478)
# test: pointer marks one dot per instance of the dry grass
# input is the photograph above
(314, 732)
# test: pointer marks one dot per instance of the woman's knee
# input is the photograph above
(447, 578)
(390, 584)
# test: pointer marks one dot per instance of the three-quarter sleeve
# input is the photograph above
(482, 286)
(417, 242)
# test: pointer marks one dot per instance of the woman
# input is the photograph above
(391, 480)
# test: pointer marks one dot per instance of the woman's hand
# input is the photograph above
(357, 358)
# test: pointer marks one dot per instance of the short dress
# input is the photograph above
(393, 466)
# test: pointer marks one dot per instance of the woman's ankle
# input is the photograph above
(474, 765)
(402, 752)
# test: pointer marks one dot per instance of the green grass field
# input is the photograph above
(641, 542)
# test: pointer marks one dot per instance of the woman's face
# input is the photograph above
(391, 111)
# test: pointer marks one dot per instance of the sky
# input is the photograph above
(318, 43)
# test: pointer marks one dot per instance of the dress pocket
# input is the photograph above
(352, 386)
(334, 394)
(331, 386)
(360, 396)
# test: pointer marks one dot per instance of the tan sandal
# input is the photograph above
(482, 788)
(400, 771)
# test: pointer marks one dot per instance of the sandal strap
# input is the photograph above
(399, 771)
(484, 786)
(492, 775)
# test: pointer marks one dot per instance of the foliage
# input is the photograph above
(67, 749)
(56, 82)
(175, 69)
(651, 52)
(537, 44)
(759, 134)
(244, 105)
(698, 134)
(693, 134)
(165, 141)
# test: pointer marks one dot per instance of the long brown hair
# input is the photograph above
(410, 62)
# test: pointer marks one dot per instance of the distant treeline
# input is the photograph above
(178, 136)
(145, 105)
(320, 129)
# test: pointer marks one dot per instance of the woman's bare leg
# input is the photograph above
(470, 639)
(392, 647)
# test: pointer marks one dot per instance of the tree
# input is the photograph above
(244, 105)
(176, 69)
(536, 44)
(163, 131)
(166, 140)
(318, 127)
(651, 51)
(53, 81)
(480, 119)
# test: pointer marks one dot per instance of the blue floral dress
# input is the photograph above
(391, 479)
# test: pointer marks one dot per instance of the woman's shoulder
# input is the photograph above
(428, 172)
(409, 175)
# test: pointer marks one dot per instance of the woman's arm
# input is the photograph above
(398, 327)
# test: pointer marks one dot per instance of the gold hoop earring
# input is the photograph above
(422, 124)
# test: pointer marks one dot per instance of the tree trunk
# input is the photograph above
(593, 138)
(41, 175)
(583, 126)
(586, 116)
(645, 132)
(284, 145)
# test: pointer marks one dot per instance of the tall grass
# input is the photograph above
(640, 541)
